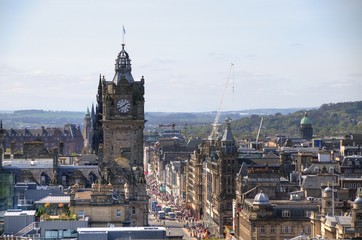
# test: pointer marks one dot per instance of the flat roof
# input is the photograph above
(119, 229)
(18, 212)
(54, 199)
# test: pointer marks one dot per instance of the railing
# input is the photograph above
(26, 229)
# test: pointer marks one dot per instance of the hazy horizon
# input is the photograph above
(286, 54)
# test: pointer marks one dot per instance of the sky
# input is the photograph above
(195, 56)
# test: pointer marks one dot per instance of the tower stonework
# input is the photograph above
(123, 114)
(120, 149)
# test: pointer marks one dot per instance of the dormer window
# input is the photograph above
(286, 213)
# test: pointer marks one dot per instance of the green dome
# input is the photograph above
(305, 120)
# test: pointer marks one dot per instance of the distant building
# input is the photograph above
(306, 130)
(35, 142)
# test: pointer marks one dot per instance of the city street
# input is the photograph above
(174, 228)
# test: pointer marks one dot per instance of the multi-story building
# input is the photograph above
(337, 223)
(351, 166)
(211, 188)
(69, 139)
(261, 218)
(351, 145)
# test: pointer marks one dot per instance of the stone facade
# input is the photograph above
(69, 139)
(211, 187)
(118, 139)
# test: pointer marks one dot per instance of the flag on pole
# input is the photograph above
(124, 30)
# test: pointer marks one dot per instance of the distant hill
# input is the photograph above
(333, 119)
(37, 118)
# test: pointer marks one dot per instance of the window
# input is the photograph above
(80, 213)
(118, 213)
(64, 180)
(133, 210)
(42, 180)
(272, 229)
(51, 234)
(307, 213)
(262, 229)
(286, 213)
(285, 229)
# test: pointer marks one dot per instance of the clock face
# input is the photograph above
(359, 216)
(329, 203)
(123, 105)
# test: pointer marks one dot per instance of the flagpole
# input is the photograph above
(123, 33)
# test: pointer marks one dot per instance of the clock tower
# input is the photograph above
(123, 114)
(123, 123)
(118, 141)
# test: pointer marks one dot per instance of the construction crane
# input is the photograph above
(257, 136)
(215, 125)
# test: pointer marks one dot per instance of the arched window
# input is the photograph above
(43, 179)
